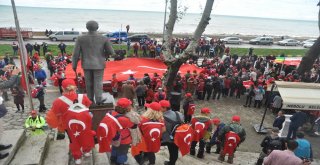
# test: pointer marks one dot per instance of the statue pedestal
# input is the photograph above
(99, 111)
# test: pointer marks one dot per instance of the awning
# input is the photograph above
(297, 95)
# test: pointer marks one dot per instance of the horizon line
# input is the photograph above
(290, 19)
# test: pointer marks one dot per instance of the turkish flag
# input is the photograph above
(136, 66)
(183, 138)
(106, 131)
(152, 132)
(78, 123)
(199, 128)
(247, 84)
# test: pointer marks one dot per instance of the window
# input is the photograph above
(59, 33)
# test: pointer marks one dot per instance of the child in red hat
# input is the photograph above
(188, 107)
(202, 127)
(151, 126)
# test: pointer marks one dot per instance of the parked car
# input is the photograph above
(262, 41)
(65, 36)
(308, 44)
(307, 41)
(115, 37)
(232, 40)
(138, 37)
(206, 38)
(288, 42)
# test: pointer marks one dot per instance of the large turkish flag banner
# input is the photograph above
(136, 66)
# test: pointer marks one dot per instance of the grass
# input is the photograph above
(240, 51)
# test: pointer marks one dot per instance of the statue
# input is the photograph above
(93, 49)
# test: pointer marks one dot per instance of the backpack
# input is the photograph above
(191, 109)
(274, 144)
(175, 124)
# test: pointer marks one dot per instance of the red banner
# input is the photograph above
(136, 66)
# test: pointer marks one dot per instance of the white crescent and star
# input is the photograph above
(188, 136)
(154, 130)
(199, 123)
(105, 127)
(74, 121)
(129, 72)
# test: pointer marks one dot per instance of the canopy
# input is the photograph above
(288, 60)
(136, 66)
(298, 95)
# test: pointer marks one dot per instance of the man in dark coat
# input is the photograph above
(29, 48)
(36, 47)
(62, 48)
(279, 120)
(297, 120)
(92, 49)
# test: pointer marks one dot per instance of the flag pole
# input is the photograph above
(23, 52)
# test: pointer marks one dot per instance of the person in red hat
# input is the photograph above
(201, 125)
(171, 120)
(217, 126)
(56, 117)
(188, 107)
(34, 121)
(231, 136)
(115, 127)
(151, 126)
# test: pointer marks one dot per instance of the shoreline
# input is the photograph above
(182, 35)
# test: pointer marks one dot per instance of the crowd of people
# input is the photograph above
(223, 75)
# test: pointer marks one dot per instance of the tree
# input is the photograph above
(174, 62)
(312, 54)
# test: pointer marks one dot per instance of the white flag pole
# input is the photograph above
(23, 53)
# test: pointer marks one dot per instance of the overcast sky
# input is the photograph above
(283, 9)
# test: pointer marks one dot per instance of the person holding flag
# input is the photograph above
(151, 126)
(202, 127)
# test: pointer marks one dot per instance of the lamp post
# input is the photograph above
(164, 21)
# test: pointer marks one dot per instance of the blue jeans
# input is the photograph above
(119, 154)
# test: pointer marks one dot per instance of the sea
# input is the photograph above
(56, 19)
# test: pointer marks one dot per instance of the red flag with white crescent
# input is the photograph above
(152, 132)
(183, 138)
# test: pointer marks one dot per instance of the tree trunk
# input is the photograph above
(311, 55)
(174, 63)
(309, 58)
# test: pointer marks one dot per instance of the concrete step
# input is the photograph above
(14, 137)
(84, 160)
(99, 158)
(32, 150)
(57, 152)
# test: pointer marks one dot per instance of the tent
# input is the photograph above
(298, 95)
(295, 95)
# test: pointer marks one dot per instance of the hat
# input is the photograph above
(33, 112)
(68, 82)
(124, 103)
(205, 110)
(164, 103)
(275, 130)
(188, 95)
(154, 106)
(236, 118)
(216, 120)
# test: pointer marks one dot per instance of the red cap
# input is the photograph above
(67, 82)
(124, 103)
(216, 120)
(188, 95)
(236, 118)
(205, 110)
(164, 103)
(33, 112)
(154, 106)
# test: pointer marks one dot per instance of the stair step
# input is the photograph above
(84, 160)
(14, 137)
(32, 150)
(99, 158)
(58, 152)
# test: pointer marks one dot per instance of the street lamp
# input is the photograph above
(164, 22)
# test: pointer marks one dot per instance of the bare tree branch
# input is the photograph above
(169, 30)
